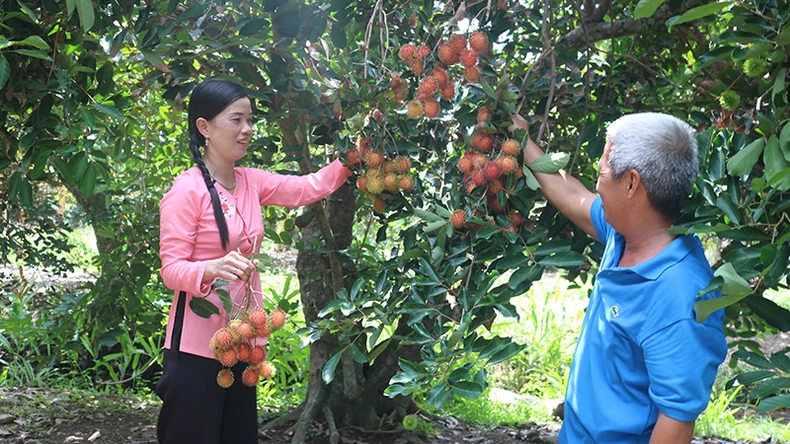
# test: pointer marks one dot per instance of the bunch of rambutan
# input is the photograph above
(239, 342)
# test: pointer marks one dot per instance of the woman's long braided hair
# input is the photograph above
(208, 99)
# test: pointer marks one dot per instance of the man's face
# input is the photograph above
(611, 190)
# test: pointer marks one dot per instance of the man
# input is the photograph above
(643, 367)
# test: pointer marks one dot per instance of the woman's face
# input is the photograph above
(228, 133)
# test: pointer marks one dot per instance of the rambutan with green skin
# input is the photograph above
(402, 165)
(250, 376)
(277, 319)
(730, 100)
(468, 58)
(257, 355)
(410, 422)
(228, 357)
(225, 378)
(431, 109)
(388, 166)
(407, 52)
(458, 218)
(415, 109)
(375, 185)
(266, 370)
(510, 147)
(755, 67)
(478, 41)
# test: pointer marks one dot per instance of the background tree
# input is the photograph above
(94, 100)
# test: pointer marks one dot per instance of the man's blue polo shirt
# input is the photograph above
(641, 349)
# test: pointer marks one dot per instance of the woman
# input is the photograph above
(211, 225)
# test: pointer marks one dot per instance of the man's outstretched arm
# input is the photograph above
(562, 190)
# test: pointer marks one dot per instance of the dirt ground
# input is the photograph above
(39, 416)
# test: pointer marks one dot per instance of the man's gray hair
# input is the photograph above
(663, 149)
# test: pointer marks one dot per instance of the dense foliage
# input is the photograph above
(93, 104)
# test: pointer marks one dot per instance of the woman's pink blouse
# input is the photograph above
(189, 235)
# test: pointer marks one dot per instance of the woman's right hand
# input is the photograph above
(232, 267)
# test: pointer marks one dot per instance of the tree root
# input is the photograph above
(293, 415)
(334, 435)
(312, 406)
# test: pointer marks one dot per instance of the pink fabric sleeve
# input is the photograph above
(296, 191)
(179, 213)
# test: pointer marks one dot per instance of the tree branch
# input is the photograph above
(600, 30)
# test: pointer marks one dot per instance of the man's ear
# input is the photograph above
(202, 125)
(634, 181)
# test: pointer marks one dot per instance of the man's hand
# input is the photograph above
(672, 431)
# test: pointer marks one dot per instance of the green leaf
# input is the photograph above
(88, 181)
(109, 110)
(753, 359)
(752, 377)
(510, 262)
(488, 89)
(777, 402)
(357, 353)
(505, 353)
(328, 373)
(784, 141)
(520, 276)
(86, 13)
(698, 13)
(769, 387)
(70, 6)
(467, 389)
(550, 163)
(530, 179)
(774, 314)
(565, 259)
(776, 165)
(734, 284)
(781, 361)
(28, 12)
(743, 161)
(646, 8)
(203, 307)
(36, 42)
(224, 298)
(428, 216)
(35, 53)
(725, 203)
(783, 39)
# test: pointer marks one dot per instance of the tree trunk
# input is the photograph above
(355, 396)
